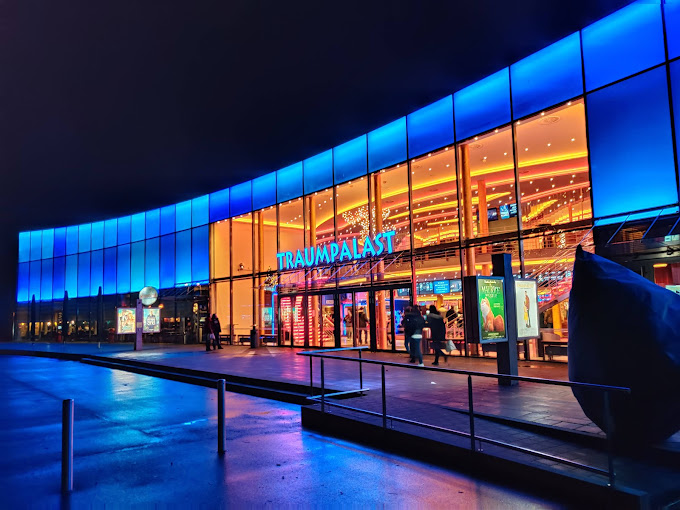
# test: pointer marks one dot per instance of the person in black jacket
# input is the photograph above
(436, 324)
(413, 329)
(216, 329)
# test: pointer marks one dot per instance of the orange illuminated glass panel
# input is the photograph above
(242, 308)
(390, 206)
(242, 245)
(320, 218)
(352, 220)
(487, 184)
(553, 167)
(291, 226)
(219, 254)
(265, 239)
(480, 256)
(434, 201)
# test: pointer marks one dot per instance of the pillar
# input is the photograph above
(467, 207)
(316, 311)
(506, 352)
(381, 302)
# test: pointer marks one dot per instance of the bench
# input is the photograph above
(244, 339)
(269, 339)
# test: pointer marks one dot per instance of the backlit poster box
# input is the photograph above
(125, 321)
(491, 303)
(152, 320)
(526, 304)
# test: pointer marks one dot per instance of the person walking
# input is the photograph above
(413, 329)
(363, 326)
(349, 325)
(216, 330)
(436, 324)
(407, 336)
(209, 335)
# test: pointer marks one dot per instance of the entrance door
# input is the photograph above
(327, 320)
(362, 319)
(401, 298)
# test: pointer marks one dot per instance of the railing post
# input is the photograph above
(610, 440)
(311, 378)
(361, 373)
(323, 389)
(384, 402)
(471, 412)
(67, 445)
(220, 417)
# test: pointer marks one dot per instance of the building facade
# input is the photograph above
(575, 144)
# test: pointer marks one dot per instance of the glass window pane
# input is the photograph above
(389, 205)
(183, 257)
(318, 171)
(483, 105)
(124, 230)
(350, 160)
(486, 163)
(153, 223)
(168, 261)
(168, 219)
(387, 145)
(36, 245)
(199, 211)
(291, 227)
(547, 77)
(46, 280)
(352, 212)
(123, 269)
(434, 200)
(137, 266)
(243, 306)
(320, 218)
(265, 239)
(240, 200)
(59, 242)
(34, 280)
(138, 227)
(47, 244)
(675, 85)
(289, 182)
(264, 191)
(242, 238)
(71, 280)
(624, 43)
(220, 304)
(553, 167)
(430, 127)
(183, 215)
(24, 246)
(220, 249)
(84, 235)
(22, 282)
(97, 272)
(97, 235)
(200, 254)
(632, 168)
(72, 239)
(219, 205)
(84, 274)
(110, 233)
(672, 14)
(59, 277)
(152, 263)
(110, 271)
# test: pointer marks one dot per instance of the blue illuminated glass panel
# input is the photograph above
(200, 254)
(110, 271)
(152, 263)
(672, 14)
(430, 127)
(168, 219)
(98, 235)
(84, 235)
(387, 145)
(167, 261)
(36, 245)
(153, 223)
(34, 280)
(183, 257)
(483, 105)
(97, 272)
(124, 230)
(137, 267)
(24, 246)
(675, 84)
(289, 182)
(631, 148)
(46, 280)
(22, 282)
(72, 239)
(547, 77)
(110, 233)
(318, 172)
(264, 191)
(350, 160)
(200, 211)
(83, 274)
(138, 227)
(123, 269)
(48, 243)
(183, 216)
(60, 242)
(624, 43)
(71, 276)
(58, 278)
(219, 205)
(240, 198)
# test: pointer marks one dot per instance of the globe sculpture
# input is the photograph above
(624, 330)
(148, 295)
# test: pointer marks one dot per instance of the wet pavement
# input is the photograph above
(145, 441)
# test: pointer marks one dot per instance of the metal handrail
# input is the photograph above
(606, 389)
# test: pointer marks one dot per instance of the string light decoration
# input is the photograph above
(360, 218)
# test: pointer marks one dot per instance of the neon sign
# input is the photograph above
(334, 252)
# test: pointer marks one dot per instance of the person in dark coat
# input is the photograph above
(413, 329)
(436, 324)
(215, 328)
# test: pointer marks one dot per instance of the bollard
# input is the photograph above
(67, 445)
(220, 416)
(471, 412)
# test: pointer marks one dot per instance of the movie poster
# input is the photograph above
(526, 303)
(491, 309)
(125, 324)
(152, 320)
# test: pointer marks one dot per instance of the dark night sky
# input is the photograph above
(112, 107)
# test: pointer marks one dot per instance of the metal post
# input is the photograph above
(311, 377)
(323, 389)
(67, 445)
(610, 433)
(220, 417)
(384, 403)
(361, 372)
(471, 412)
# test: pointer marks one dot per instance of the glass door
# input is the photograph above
(401, 298)
(327, 320)
(383, 320)
(361, 319)
(347, 318)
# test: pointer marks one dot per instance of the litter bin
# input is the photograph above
(254, 338)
